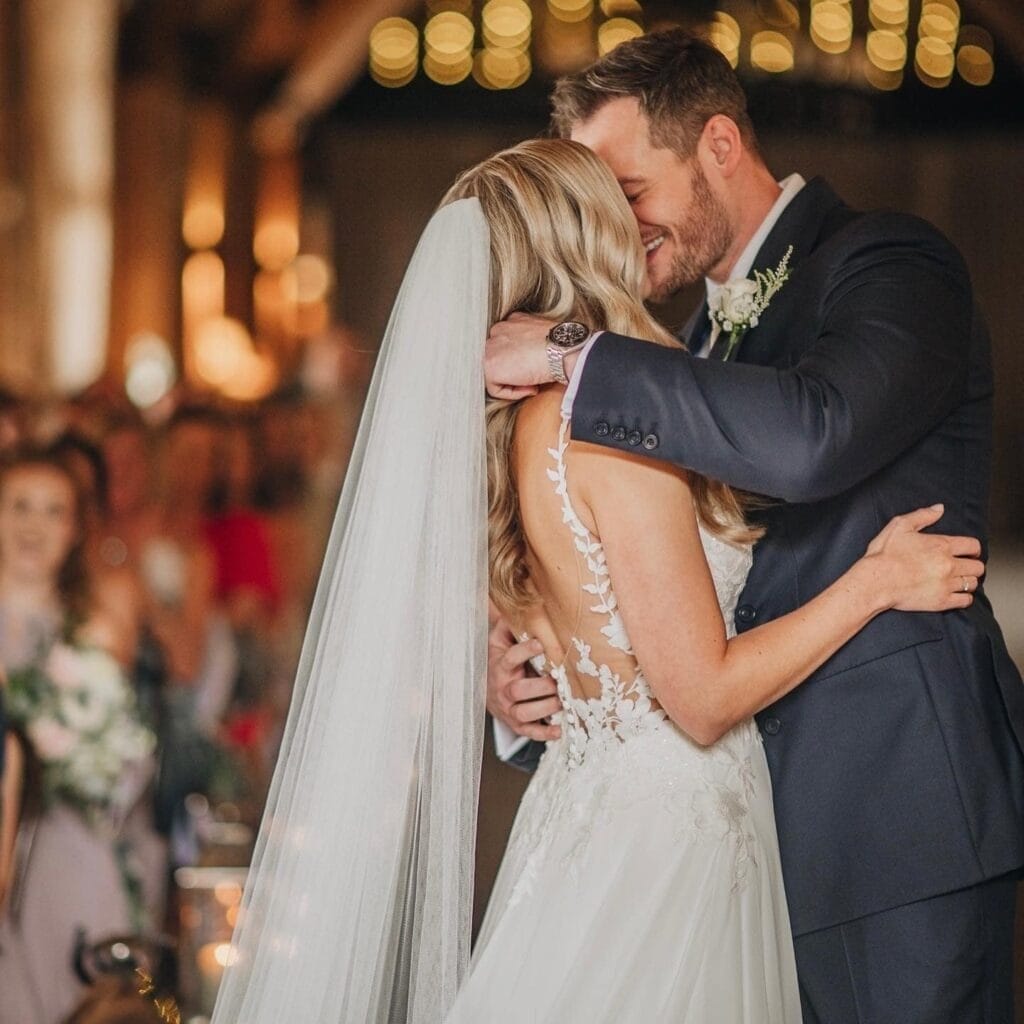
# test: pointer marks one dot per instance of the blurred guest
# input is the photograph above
(116, 626)
(73, 866)
(133, 514)
(115, 588)
(178, 571)
(132, 519)
(248, 587)
(247, 580)
(282, 491)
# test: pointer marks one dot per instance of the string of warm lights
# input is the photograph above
(496, 42)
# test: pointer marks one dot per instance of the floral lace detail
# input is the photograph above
(704, 791)
(626, 707)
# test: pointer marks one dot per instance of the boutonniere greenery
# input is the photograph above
(737, 306)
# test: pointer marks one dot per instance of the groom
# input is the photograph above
(863, 390)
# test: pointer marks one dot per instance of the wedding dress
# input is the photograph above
(641, 882)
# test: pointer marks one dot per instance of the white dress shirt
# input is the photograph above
(506, 742)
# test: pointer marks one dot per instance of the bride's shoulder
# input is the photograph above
(545, 406)
(540, 417)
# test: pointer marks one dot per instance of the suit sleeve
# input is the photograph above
(887, 363)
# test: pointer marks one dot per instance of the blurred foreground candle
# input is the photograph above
(276, 239)
(202, 223)
(211, 961)
(209, 900)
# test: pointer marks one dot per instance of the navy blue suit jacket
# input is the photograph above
(865, 391)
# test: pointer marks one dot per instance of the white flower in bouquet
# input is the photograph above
(63, 666)
(106, 681)
(82, 711)
(78, 712)
(51, 740)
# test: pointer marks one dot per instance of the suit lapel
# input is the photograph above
(801, 226)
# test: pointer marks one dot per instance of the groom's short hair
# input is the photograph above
(680, 80)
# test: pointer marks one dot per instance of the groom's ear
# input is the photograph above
(721, 146)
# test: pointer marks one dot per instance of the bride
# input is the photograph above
(642, 880)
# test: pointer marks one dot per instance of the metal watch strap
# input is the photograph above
(556, 362)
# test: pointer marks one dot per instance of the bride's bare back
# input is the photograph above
(568, 570)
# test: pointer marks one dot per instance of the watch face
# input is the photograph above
(569, 333)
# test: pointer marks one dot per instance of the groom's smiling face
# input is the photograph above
(684, 226)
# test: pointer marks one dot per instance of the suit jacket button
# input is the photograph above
(651, 442)
(619, 434)
(601, 429)
(772, 726)
(746, 613)
(634, 437)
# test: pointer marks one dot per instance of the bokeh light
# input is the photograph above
(149, 369)
(832, 26)
(394, 52)
(771, 52)
(448, 48)
(571, 10)
(724, 34)
(975, 59)
(940, 19)
(507, 23)
(616, 31)
(934, 61)
(889, 14)
(887, 50)
(225, 359)
(496, 68)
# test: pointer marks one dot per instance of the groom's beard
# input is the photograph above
(701, 240)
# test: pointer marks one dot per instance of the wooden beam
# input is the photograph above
(333, 57)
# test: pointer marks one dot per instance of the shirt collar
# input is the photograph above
(790, 187)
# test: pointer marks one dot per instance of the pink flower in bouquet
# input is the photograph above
(64, 667)
(52, 741)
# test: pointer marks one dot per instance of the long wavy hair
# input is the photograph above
(564, 245)
(73, 580)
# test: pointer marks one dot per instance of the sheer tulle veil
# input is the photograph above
(358, 903)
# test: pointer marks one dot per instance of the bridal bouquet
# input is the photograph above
(78, 714)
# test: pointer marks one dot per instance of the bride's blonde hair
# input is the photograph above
(564, 245)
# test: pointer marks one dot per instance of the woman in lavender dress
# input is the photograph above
(67, 878)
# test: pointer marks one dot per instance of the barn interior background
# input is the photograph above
(212, 204)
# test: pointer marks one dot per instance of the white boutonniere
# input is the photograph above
(737, 306)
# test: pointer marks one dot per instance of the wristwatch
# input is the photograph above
(564, 338)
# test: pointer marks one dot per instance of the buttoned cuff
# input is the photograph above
(577, 374)
(507, 743)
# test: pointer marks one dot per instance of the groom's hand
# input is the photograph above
(515, 696)
(515, 360)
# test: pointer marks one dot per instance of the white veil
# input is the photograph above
(357, 907)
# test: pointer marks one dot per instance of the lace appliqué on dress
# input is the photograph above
(706, 791)
(625, 707)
